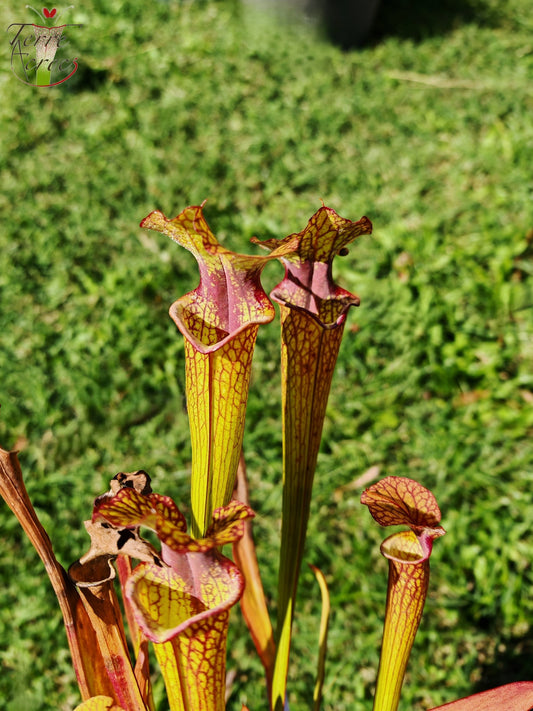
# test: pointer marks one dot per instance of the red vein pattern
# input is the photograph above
(308, 283)
(191, 614)
(399, 500)
(219, 321)
(393, 501)
(183, 606)
(313, 312)
(159, 513)
(406, 595)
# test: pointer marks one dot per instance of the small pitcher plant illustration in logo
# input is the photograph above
(38, 52)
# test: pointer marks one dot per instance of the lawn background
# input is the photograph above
(428, 131)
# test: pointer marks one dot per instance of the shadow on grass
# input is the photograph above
(406, 19)
(417, 19)
(511, 662)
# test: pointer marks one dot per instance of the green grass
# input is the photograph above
(428, 131)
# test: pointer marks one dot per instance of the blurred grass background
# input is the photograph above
(427, 130)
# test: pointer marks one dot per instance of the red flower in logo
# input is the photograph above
(49, 13)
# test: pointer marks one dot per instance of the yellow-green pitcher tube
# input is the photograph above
(219, 321)
(192, 657)
(308, 355)
(217, 385)
(402, 501)
(313, 312)
(406, 595)
(182, 600)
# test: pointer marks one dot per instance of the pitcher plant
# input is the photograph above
(177, 591)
